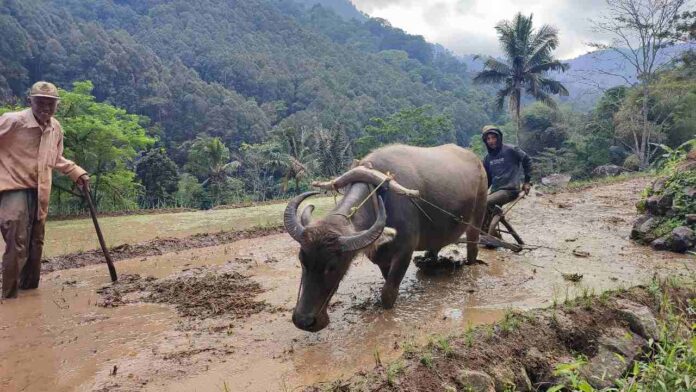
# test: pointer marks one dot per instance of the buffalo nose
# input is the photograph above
(303, 321)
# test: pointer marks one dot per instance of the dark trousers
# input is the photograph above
(502, 197)
(498, 199)
(24, 239)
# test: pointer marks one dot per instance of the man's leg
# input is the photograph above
(498, 199)
(14, 220)
(31, 273)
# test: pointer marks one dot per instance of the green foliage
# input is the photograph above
(414, 126)
(677, 185)
(632, 162)
(427, 360)
(671, 157)
(208, 160)
(190, 193)
(393, 370)
(233, 70)
(669, 367)
(158, 175)
(528, 54)
(104, 140)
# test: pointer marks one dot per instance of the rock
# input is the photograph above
(691, 219)
(659, 204)
(642, 229)
(689, 191)
(681, 239)
(639, 318)
(475, 381)
(659, 185)
(556, 180)
(629, 345)
(606, 366)
(608, 171)
(660, 244)
(505, 379)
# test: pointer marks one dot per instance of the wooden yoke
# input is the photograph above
(370, 176)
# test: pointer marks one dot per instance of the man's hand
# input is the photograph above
(83, 182)
(526, 187)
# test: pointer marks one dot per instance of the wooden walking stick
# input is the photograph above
(93, 212)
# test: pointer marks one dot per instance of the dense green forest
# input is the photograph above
(215, 102)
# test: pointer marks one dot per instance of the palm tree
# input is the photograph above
(527, 60)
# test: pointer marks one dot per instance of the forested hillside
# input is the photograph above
(232, 69)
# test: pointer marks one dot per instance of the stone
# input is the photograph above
(639, 318)
(689, 191)
(659, 185)
(556, 180)
(691, 219)
(660, 244)
(642, 229)
(475, 381)
(681, 239)
(616, 352)
(608, 171)
(505, 379)
(626, 343)
(659, 204)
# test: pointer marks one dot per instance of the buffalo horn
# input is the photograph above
(364, 238)
(292, 225)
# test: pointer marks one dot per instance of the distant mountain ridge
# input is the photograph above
(592, 73)
(342, 8)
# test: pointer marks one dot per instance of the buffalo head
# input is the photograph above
(327, 247)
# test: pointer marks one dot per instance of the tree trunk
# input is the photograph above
(644, 153)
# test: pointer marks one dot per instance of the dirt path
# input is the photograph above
(57, 338)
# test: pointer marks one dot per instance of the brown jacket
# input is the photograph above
(28, 152)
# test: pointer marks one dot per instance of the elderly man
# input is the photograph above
(31, 144)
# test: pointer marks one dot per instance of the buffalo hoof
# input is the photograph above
(389, 297)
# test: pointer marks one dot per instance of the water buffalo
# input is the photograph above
(389, 227)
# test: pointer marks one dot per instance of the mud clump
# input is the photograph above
(156, 247)
(229, 294)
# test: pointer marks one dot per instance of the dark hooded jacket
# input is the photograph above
(507, 166)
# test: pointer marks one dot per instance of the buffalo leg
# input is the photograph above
(473, 233)
(397, 270)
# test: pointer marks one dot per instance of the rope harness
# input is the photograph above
(457, 218)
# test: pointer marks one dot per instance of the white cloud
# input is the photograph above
(466, 26)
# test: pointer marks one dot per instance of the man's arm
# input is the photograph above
(526, 164)
(526, 167)
(6, 124)
(487, 167)
(66, 166)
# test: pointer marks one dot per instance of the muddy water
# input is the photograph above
(56, 339)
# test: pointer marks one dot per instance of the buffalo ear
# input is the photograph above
(388, 235)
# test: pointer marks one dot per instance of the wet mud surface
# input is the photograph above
(154, 247)
(61, 340)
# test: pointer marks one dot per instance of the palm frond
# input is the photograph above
(501, 95)
(490, 76)
(550, 65)
(496, 65)
(553, 87)
(545, 98)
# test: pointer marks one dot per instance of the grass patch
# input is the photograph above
(427, 360)
(393, 370)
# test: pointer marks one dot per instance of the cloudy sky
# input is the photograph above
(466, 26)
